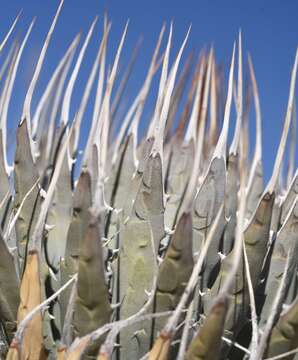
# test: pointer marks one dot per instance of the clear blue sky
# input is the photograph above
(269, 28)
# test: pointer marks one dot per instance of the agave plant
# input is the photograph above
(170, 246)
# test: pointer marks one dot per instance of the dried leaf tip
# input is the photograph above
(160, 125)
(4, 41)
(74, 75)
(258, 147)
(162, 83)
(28, 98)
(237, 132)
(271, 187)
(220, 150)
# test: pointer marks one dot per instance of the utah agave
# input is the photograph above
(173, 249)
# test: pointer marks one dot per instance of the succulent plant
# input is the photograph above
(166, 247)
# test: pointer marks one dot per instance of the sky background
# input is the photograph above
(269, 29)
